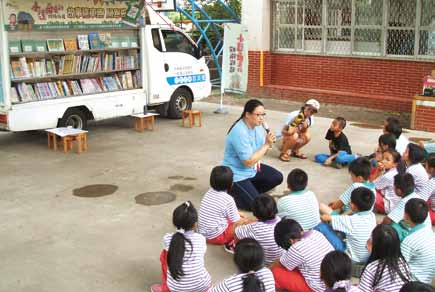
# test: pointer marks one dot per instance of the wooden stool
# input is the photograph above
(82, 143)
(143, 121)
(52, 138)
(67, 136)
(191, 115)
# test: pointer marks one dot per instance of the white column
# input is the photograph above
(256, 16)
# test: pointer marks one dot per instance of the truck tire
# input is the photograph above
(181, 100)
(75, 118)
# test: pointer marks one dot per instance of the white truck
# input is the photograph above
(40, 90)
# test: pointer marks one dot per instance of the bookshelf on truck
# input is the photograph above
(64, 63)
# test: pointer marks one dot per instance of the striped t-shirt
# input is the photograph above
(263, 232)
(302, 207)
(428, 189)
(307, 255)
(216, 209)
(386, 282)
(419, 174)
(358, 228)
(418, 249)
(345, 196)
(385, 184)
(399, 210)
(235, 282)
(196, 278)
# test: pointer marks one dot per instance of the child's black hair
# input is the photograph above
(417, 210)
(397, 158)
(264, 207)
(249, 258)
(386, 250)
(431, 160)
(363, 198)
(415, 153)
(416, 286)
(285, 230)
(221, 178)
(297, 180)
(393, 127)
(341, 122)
(184, 218)
(361, 167)
(405, 183)
(336, 266)
(387, 139)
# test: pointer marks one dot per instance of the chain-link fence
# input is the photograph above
(392, 28)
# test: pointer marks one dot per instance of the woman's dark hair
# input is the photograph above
(405, 183)
(387, 139)
(250, 106)
(297, 180)
(285, 230)
(249, 258)
(416, 286)
(415, 153)
(221, 178)
(336, 266)
(397, 158)
(184, 218)
(386, 250)
(264, 207)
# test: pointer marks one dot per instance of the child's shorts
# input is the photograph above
(224, 237)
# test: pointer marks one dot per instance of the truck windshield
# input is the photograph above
(177, 42)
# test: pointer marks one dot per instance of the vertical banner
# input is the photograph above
(235, 58)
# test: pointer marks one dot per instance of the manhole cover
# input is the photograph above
(418, 139)
(155, 198)
(181, 188)
(366, 126)
(95, 191)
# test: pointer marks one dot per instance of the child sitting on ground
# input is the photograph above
(264, 209)
(428, 191)
(218, 214)
(252, 275)
(336, 272)
(340, 151)
(300, 204)
(386, 268)
(392, 126)
(418, 247)
(359, 170)
(385, 142)
(298, 269)
(388, 168)
(413, 157)
(183, 256)
(357, 227)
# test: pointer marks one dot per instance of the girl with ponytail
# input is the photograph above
(247, 141)
(253, 276)
(183, 256)
(336, 271)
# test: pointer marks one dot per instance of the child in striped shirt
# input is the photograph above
(253, 276)
(300, 204)
(264, 209)
(359, 170)
(298, 269)
(386, 268)
(418, 248)
(385, 142)
(428, 191)
(183, 256)
(356, 227)
(386, 198)
(336, 272)
(413, 156)
(218, 214)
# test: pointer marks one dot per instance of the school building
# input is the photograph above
(369, 53)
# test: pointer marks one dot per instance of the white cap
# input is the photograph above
(313, 103)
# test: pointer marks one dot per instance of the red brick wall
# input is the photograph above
(375, 83)
(424, 118)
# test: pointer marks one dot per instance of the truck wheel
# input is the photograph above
(75, 118)
(181, 100)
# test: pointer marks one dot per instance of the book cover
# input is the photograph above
(16, 69)
(14, 95)
(132, 15)
(28, 46)
(14, 47)
(55, 45)
(40, 45)
(70, 44)
(94, 40)
(25, 67)
(83, 41)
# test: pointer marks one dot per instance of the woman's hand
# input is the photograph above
(270, 139)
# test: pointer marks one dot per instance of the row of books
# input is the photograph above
(24, 92)
(92, 40)
(72, 64)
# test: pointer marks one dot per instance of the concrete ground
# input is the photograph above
(52, 240)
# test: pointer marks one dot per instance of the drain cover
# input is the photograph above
(181, 188)
(155, 198)
(366, 126)
(95, 191)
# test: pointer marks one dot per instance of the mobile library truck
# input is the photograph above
(64, 62)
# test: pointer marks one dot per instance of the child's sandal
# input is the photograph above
(284, 157)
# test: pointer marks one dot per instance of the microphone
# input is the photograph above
(266, 127)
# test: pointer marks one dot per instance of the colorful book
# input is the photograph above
(14, 47)
(55, 45)
(94, 40)
(17, 71)
(28, 46)
(83, 41)
(14, 95)
(70, 44)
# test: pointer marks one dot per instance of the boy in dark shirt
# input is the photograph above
(341, 154)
